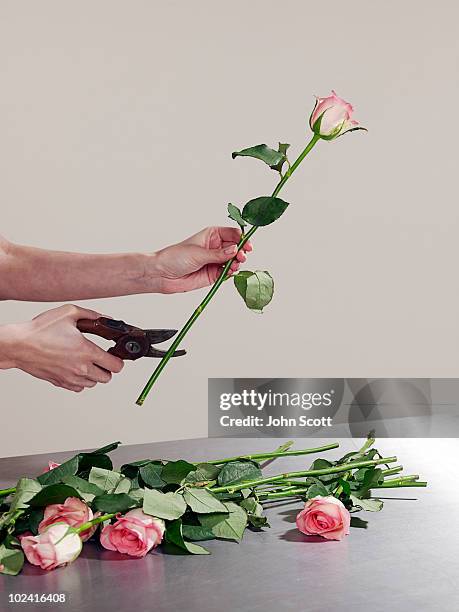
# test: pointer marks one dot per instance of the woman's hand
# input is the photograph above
(197, 261)
(51, 347)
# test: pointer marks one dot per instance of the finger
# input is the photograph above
(105, 360)
(248, 246)
(75, 388)
(213, 272)
(86, 382)
(229, 234)
(241, 257)
(76, 313)
(98, 375)
(203, 256)
(235, 266)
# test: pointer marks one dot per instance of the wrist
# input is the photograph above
(150, 276)
(11, 340)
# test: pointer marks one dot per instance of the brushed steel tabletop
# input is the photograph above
(407, 559)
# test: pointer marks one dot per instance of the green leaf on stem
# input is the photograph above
(103, 450)
(68, 468)
(137, 494)
(85, 489)
(107, 480)
(29, 521)
(174, 472)
(204, 472)
(26, 489)
(167, 506)
(323, 464)
(174, 537)
(53, 494)
(255, 288)
(235, 215)
(283, 147)
(202, 501)
(11, 558)
(197, 533)
(264, 210)
(346, 487)
(370, 505)
(263, 153)
(113, 502)
(317, 489)
(151, 475)
(124, 485)
(132, 469)
(229, 526)
(372, 477)
(86, 461)
(254, 511)
(236, 472)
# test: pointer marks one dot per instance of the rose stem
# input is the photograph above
(394, 470)
(4, 492)
(215, 287)
(289, 484)
(301, 491)
(293, 453)
(409, 477)
(95, 521)
(322, 472)
(281, 449)
(394, 484)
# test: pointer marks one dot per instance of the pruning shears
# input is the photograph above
(130, 342)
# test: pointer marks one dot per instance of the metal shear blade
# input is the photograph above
(130, 342)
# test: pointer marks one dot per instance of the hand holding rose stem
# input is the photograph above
(223, 275)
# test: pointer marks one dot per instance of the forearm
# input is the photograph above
(39, 275)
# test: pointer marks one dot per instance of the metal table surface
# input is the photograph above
(407, 558)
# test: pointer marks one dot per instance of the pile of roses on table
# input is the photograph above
(136, 533)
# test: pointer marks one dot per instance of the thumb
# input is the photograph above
(204, 256)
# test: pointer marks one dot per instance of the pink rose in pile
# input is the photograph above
(324, 516)
(73, 511)
(54, 547)
(51, 466)
(332, 117)
(133, 534)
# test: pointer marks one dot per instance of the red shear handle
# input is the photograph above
(98, 327)
(130, 342)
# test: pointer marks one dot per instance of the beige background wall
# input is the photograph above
(130, 110)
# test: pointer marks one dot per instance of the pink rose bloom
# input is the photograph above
(335, 115)
(51, 466)
(52, 548)
(73, 511)
(133, 534)
(324, 516)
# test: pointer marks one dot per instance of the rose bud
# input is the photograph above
(324, 516)
(332, 117)
(56, 546)
(133, 534)
(73, 511)
(51, 466)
